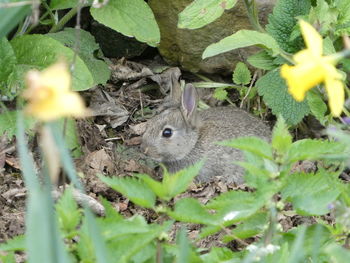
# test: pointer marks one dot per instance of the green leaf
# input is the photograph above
(252, 226)
(183, 245)
(251, 144)
(311, 194)
(337, 253)
(275, 94)
(12, 16)
(132, 18)
(317, 106)
(281, 138)
(17, 243)
(8, 122)
(172, 184)
(136, 190)
(68, 213)
(242, 38)
(262, 60)
(202, 12)
(283, 20)
(98, 68)
(191, 211)
(220, 94)
(7, 65)
(219, 254)
(308, 149)
(241, 74)
(40, 51)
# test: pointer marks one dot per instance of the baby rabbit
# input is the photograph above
(180, 136)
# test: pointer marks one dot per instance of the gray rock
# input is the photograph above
(185, 47)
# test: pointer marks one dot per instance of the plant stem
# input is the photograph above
(64, 20)
(253, 15)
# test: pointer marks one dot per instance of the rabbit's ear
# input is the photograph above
(175, 88)
(189, 101)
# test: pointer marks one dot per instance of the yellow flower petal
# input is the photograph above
(335, 91)
(49, 96)
(301, 78)
(312, 38)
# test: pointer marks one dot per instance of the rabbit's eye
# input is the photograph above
(167, 132)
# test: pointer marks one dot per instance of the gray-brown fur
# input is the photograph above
(194, 136)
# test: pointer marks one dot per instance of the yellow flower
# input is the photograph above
(311, 69)
(49, 95)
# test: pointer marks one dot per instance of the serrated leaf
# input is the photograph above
(172, 184)
(281, 138)
(220, 94)
(132, 18)
(283, 20)
(40, 51)
(241, 74)
(16, 243)
(275, 94)
(262, 60)
(251, 144)
(136, 190)
(68, 213)
(310, 194)
(8, 122)
(202, 12)
(317, 106)
(7, 64)
(98, 68)
(242, 38)
(252, 226)
(191, 211)
(308, 149)
(219, 254)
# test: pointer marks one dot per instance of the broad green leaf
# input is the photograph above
(251, 144)
(136, 190)
(308, 149)
(8, 122)
(7, 65)
(235, 206)
(242, 38)
(241, 74)
(132, 18)
(311, 194)
(281, 138)
(262, 60)
(98, 68)
(337, 253)
(17, 243)
(202, 12)
(40, 51)
(252, 226)
(68, 213)
(220, 94)
(275, 94)
(12, 16)
(219, 254)
(172, 184)
(317, 106)
(65, 4)
(191, 211)
(283, 21)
